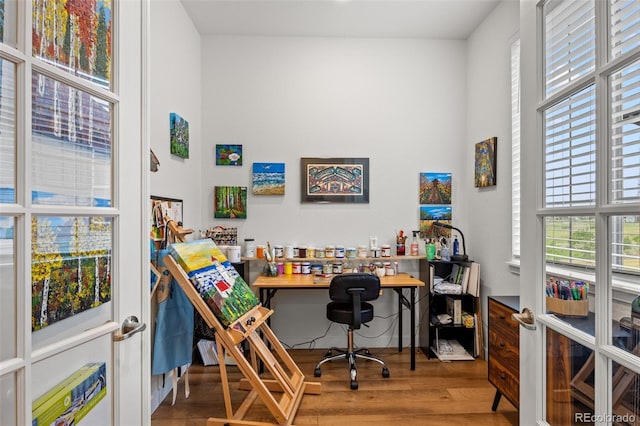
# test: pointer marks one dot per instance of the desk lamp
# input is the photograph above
(455, 257)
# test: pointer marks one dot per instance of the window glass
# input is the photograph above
(625, 395)
(571, 240)
(515, 148)
(70, 266)
(74, 36)
(8, 290)
(8, 14)
(72, 150)
(7, 131)
(625, 245)
(8, 399)
(569, 42)
(625, 134)
(570, 151)
(625, 26)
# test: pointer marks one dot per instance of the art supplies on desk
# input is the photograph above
(567, 297)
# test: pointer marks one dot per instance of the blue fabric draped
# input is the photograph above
(173, 344)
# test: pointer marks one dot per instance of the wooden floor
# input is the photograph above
(436, 393)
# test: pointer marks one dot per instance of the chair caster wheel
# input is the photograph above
(317, 372)
(354, 385)
(385, 372)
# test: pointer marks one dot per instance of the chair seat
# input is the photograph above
(343, 312)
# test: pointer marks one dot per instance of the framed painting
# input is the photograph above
(230, 202)
(228, 155)
(431, 214)
(179, 135)
(268, 179)
(435, 188)
(334, 180)
(485, 163)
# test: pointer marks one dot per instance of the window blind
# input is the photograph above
(515, 148)
(569, 42)
(570, 157)
(625, 26)
(625, 135)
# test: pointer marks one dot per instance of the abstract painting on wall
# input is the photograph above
(435, 188)
(230, 202)
(485, 163)
(179, 135)
(431, 214)
(228, 155)
(268, 179)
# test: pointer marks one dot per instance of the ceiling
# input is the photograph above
(441, 19)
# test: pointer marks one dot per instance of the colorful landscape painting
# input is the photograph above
(179, 135)
(228, 155)
(430, 214)
(485, 163)
(74, 35)
(230, 202)
(268, 179)
(435, 188)
(70, 267)
(214, 277)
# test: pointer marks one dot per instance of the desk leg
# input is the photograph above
(413, 327)
(399, 291)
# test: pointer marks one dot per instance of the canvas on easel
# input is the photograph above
(221, 296)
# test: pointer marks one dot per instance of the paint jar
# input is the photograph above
(340, 252)
(386, 250)
(316, 269)
(305, 268)
(280, 266)
(375, 252)
(278, 251)
(388, 269)
(329, 252)
(311, 252)
(233, 254)
(302, 252)
(288, 252)
(348, 268)
(362, 252)
(297, 268)
(260, 252)
(296, 251)
(320, 253)
(400, 249)
(327, 268)
(288, 268)
(249, 247)
(350, 252)
(337, 267)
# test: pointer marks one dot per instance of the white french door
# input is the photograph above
(580, 258)
(73, 191)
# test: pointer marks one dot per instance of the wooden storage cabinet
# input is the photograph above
(504, 349)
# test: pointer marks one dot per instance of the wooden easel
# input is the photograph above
(287, 378)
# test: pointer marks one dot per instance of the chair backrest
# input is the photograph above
(340, 285)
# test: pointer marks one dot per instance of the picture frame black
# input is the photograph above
(334, 180)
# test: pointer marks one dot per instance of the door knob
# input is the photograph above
(525, 319)
(130, 326)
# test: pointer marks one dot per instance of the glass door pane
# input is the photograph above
(8, 289)
(7, 131)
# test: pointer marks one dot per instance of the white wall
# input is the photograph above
(401, 103)
(175, 74)
(486, 212)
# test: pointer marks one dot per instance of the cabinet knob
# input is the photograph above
(501, 344)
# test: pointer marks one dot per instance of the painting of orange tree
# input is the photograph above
(70, 267)
(74, 35)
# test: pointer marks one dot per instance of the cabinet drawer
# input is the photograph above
(504, 351)
(500, 317)
(505, 382)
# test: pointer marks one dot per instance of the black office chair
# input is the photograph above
(349, 294)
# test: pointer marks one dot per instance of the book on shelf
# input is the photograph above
(454, 309)
(473, 287)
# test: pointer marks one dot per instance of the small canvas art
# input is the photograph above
(485, 163)
(228, 155)
(179, 135)
(230, 202)
(214, 277)
(268, 179)
(431, 214)
(435, 188)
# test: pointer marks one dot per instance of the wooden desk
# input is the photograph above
(269, 286)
